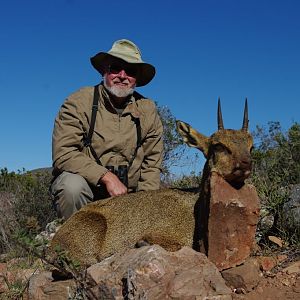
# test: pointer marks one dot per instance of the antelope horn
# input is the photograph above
(245, 121)
(220, 119)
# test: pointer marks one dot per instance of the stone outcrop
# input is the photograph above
(244, 277)
(43, 287)
(153, 273)
(149, 272)
(232, 220)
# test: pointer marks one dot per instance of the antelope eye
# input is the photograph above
(220, 148)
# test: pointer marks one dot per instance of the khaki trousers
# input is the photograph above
(70, 192)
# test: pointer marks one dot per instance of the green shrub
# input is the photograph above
(174, 147)
(276, 168)
(189, 181)
(31, 205)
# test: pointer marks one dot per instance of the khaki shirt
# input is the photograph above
(114, 139)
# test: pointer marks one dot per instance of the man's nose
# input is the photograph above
(122, 74)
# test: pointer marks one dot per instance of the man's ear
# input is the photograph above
(192, 137)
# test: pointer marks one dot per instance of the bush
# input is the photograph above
(276, 169)
(25, 204)
(187, 181)
(174, 146)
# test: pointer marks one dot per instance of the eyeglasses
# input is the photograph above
(129, 70)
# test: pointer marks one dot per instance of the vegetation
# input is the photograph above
(25, 204)
(276, 169)
(187, 181)
(175, 155)
(174, 147)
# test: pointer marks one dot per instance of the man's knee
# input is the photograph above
(71, 185)
(71, 192)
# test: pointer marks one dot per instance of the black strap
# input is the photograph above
(138, 132)
(87, 139)
(138, 141)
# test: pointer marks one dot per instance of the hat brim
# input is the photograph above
(145, 71)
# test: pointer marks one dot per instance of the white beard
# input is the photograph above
(119, 92)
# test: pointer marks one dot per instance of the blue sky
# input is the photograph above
(202, 50)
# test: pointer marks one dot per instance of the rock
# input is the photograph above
(243, 277)
(294, 268)
(11, 274)
(265, 223)
(291, 209)
(42, 287)
(49, 232)
(276, 240)
(233, 217)
(151, 272)
(267, 263)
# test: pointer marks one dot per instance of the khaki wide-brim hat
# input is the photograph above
(127, 52)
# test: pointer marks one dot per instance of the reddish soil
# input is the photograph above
(274, 286)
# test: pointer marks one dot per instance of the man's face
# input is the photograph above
(120, 80)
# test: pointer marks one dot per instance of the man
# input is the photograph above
(119, 149)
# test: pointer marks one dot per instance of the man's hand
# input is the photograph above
(113, 184)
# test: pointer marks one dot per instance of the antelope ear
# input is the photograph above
(192, 137)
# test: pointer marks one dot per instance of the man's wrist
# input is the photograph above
(101, 181)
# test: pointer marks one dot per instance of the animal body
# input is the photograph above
(168, 217)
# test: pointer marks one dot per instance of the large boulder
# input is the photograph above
(151, 272)
(233, 216)
(244, 277)
(42, 286)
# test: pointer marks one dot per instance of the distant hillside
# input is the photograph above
(41, 170)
